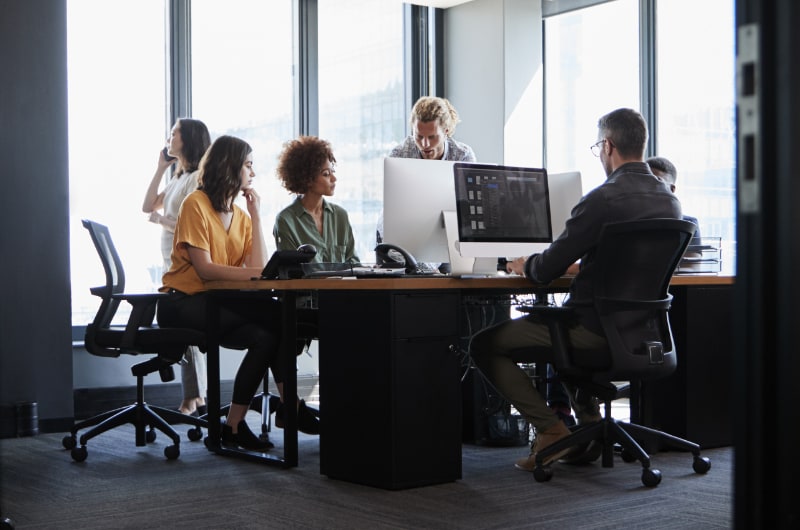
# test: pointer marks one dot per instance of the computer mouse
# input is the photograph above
(307, 248)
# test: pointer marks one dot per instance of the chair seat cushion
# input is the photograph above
(169, 343)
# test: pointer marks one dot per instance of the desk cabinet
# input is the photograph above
(696, 401)
(390, 376)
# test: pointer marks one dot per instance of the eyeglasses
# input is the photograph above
(595, 149)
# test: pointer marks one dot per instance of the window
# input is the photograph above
(591, 67)
(696, 111)
(361, 103)
(242, 84)
(117, 126)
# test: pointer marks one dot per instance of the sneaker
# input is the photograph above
(543, 440)
(244, 438)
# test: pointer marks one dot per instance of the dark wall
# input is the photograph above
(767, 319)
(35, 313)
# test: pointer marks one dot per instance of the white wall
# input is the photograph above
(493, 76)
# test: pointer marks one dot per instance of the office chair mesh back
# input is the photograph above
(635, 263)
(115, 284)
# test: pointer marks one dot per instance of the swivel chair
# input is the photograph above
(634, 263)
(139, 336)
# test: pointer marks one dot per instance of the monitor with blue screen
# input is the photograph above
(503, 211)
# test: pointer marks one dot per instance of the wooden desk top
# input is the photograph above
(428, 282)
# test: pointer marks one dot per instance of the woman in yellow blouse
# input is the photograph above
(217, 240)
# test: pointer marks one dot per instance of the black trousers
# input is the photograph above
(251, 324)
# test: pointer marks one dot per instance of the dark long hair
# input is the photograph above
(220, 171)
(196, 139)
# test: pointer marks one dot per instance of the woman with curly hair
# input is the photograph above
(307, 168)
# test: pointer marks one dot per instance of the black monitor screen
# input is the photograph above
(502, 204)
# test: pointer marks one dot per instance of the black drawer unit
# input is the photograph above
(390, 398)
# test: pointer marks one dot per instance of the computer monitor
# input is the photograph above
(502, 212)
(415, 192)
(566, 190)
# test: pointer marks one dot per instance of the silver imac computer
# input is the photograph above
(415, 193)
(566, 191)
(501, 212)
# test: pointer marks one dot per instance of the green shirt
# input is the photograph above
(294, 226)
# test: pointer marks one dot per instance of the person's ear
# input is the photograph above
(672, 188)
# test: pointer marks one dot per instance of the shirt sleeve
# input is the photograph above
(192, 228)
(579, 237)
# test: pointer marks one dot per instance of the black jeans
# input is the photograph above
(253, 324)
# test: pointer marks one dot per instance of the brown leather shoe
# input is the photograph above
(545, 439)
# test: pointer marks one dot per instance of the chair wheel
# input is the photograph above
(69, 442)
(172, 452)
(543, 474)
(150, 436)
(701, 464)
(651, 477)
(627, 456)
(79, 454)
(195, 434)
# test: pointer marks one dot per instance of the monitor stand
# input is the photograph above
(459, 265)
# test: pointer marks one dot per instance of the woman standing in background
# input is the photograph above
(188, 142)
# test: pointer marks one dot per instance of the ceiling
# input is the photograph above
(444, 4)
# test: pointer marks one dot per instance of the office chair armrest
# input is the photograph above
(611, 305)
(143, 312)
(541, 313)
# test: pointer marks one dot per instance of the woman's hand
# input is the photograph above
(253, 202)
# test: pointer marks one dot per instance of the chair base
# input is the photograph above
(628, 436)
(145, 419)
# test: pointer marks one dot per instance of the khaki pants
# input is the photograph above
(496, 352)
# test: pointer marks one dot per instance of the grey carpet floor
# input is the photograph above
(124, 486)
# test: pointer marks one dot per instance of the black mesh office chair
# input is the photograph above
(634, 264)
(139, 336)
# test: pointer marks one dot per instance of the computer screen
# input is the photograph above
(502, 211)
(415, 192)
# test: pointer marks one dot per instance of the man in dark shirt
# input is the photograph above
(630, 192)
(666, 171)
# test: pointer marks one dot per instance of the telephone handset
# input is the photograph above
(390, 256)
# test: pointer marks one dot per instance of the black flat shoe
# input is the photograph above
(307, 420)
(244, 438)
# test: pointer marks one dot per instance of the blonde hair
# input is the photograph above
(430, 108)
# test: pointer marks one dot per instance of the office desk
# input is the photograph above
(389, 378)
(371, 294)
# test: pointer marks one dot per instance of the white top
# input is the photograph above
(176, 190)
